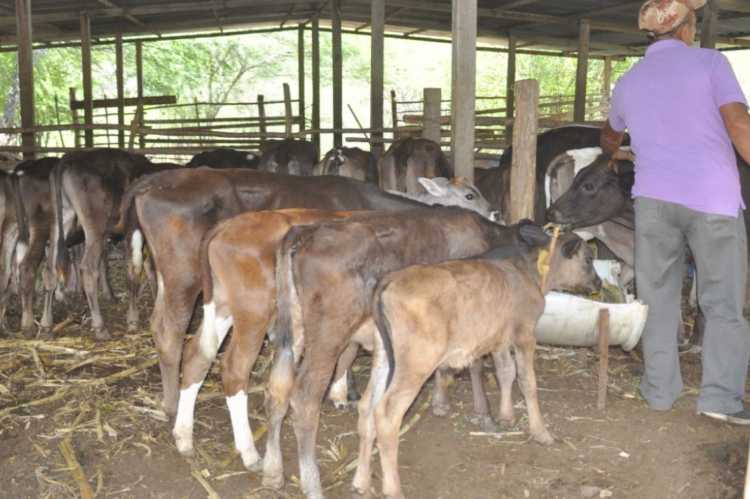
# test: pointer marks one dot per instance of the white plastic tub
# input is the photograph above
(570, 320)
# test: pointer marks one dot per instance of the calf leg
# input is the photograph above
(50, 284)
(104, 283)
(27, 266)
(134, 258)
(524, 346)
(91, 269)
(9, 240)
(278, 391)
(200, 352)
(505, 370)
(481, 405)
(440, 404)
(339, 391)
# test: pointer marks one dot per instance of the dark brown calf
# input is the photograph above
(450, 314)
(288, 157)
(326, 278)
(86, 188)
(350, 162)
(407, 160)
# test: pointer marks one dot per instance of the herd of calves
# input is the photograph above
(427, 279)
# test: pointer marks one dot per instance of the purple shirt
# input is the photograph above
(669, 102)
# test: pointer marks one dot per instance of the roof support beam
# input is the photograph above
(316, 82)
(710, 24)
(377, 73)
(338, 76)
(132, 19)
(463, 87)
(25, 74)
(88, 108)
(582, 71)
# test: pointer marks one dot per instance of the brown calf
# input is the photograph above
(350, 162)
(407, 160)
(326, 276)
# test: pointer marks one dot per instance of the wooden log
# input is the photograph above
(25, 74)
(431, 114)
(130, 101)
(603, 378)
(262, 116)
(338, 63)
(301, 75)
(88, 110)
(120, 70)
(316, 81)
(394, 115)
(463, 89)
(139, 85)
(287, 109)
(510, 80)
(523, 167)
(377, 73)
(74, 116)
(582, 69)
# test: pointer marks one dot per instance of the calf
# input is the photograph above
(408, 159)
(8, 240)
(289, 157)
(86, 191)
(326, 276)
(350, 162)
(449, 314)
(225, 158)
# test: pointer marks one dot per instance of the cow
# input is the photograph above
(408, 159)
(326, 275)
(33, 208)
(350, 162)
(449, 314)
(288, 156)
(225, 158)
(174, 209)
(238, 261)
(86, 190)
(8, 240)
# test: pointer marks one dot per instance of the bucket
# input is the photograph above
(608, 271)
(570, 320)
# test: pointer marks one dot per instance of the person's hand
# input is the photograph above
(620, 155)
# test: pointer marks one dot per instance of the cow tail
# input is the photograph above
(61, 260)
(207, 282)
(287, 293)
(23, 225)
(384, 327)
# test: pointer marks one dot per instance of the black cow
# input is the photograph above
(225, 158)
(288, 156)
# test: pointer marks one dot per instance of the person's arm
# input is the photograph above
(737, 121)
(610, 139)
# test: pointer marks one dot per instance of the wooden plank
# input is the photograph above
(523, 165)
(603, 378)
(120, 70)
(394, 115)
(287, 109)
(377, 74)
(88, 110)
(155, 100)
(463, 89)
(262, 117)
(74, 116)
(139, 85)
(338, 62)
(582, 69)
(710, 26)
(301, 75)
(25, 74)
(316, 82)
(606, 81)
(510, 83)
(431, 114)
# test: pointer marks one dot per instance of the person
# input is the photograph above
(684, 109)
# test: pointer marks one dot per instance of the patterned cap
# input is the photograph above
(662, 16)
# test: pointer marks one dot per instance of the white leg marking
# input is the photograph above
(183, 425)
(21, 250)
(243, 435)
(214, 331)
(338, 392)
(136, 244)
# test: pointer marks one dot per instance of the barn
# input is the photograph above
(81, 413)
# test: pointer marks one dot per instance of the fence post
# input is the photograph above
(262, 118)
(287, 110)
(74, 116)
(431, 114)
(523, 165)
(394, 115)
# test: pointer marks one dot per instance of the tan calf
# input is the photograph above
(447, 315)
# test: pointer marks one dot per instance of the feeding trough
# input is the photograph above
(570, 320)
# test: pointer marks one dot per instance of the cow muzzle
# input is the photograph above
(495, 216)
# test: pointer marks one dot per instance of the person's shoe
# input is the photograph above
(741, 418)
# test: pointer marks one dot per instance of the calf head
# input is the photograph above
(598, 193)
(459, 192)
(572, 266)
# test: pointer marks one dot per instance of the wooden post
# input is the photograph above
(377, 75)
(301, 75)
(394, 115)
(510, 82)
(119, 65)
(584, 38)
(262, 118)
(523, 166)
(74, 116)
(431, 114)
(287, 110)
(58, 121)
(316, 83)
(710, 25)
(603, 329)
(607, 79)
(88, 108)
(338, 100)
(463, 89)
(139, 84)
(25, 75)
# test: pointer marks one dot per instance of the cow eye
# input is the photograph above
(470, 196)
(588, 187)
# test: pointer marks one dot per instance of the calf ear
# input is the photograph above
(533, 235)
(433, 185)
(571, 247)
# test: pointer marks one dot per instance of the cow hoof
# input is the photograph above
(184, 445)
(45, 333)
(133, 327)
(485, 423)
(102, 334)
(273, 481)
(252, 461)
(543, 437)
(358, 493)
(440, 410)
(342, 405)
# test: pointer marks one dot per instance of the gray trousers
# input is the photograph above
(718, 243)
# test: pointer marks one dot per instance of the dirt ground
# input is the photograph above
(100, 401)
